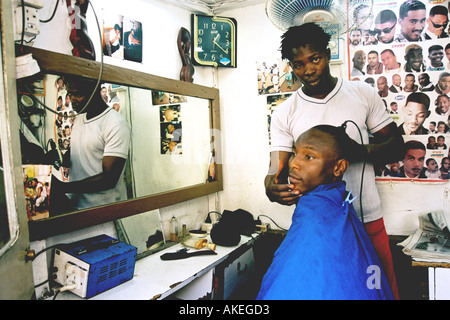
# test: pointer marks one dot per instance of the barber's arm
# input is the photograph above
(111, 171)
(387, 145)
(276, 181)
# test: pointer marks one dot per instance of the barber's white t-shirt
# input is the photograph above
(107, 134)
(349, 100)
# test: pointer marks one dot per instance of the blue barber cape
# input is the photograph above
(326, 254)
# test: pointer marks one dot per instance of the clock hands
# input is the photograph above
(226, 51)
(214, 41)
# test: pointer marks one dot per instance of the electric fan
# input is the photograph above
(327, 13)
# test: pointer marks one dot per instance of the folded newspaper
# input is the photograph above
(431, 242)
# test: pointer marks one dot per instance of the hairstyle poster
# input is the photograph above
(402, 49)
(36, 186)
(170, 124)
(275, 76)
(160, 97)
(113, 35)
(132, 40)
(64, 118)
(122, 37)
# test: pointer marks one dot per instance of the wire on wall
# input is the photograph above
(52, 16)
(99, 77)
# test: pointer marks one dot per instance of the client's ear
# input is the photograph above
(340, 167)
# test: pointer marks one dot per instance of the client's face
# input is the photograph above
(314, 161)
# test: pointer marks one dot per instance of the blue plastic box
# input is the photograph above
(94, 265)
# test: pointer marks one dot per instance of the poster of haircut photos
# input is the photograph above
(170, 120)
(64, 118)
(36, 185)
(122, 37)
(402, 49)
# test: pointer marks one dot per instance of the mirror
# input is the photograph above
(157, 109)
(142, 231)
(157, 165)
(170, 134)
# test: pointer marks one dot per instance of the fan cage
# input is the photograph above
(282, 13)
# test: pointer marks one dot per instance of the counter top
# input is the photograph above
(157, 279)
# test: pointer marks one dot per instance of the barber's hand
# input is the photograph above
(59, 202)
(57, 185)
(281, 193)
(356, 152)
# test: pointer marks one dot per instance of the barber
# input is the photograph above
(324, 99)
(100, 140)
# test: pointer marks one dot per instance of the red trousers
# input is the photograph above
(378, 236)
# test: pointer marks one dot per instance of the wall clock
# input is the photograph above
(214, 41)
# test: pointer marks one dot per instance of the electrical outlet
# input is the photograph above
(74, 275)
(30, 26)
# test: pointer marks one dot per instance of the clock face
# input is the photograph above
(214, 41)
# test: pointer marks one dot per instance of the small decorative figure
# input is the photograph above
(184, 45)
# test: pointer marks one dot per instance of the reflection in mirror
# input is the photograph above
(170, 133)
(142, 231)
(170, 145)
(136, 97)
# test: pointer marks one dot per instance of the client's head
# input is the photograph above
(321, 155)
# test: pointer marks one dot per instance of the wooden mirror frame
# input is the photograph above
(53, 63)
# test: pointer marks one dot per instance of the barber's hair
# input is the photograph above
(385, 16)
(438, 10)
(300, 36)
(83, 83)
(347, 148)
(419, 97)
(410, 5)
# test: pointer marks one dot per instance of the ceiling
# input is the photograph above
(213, 6)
